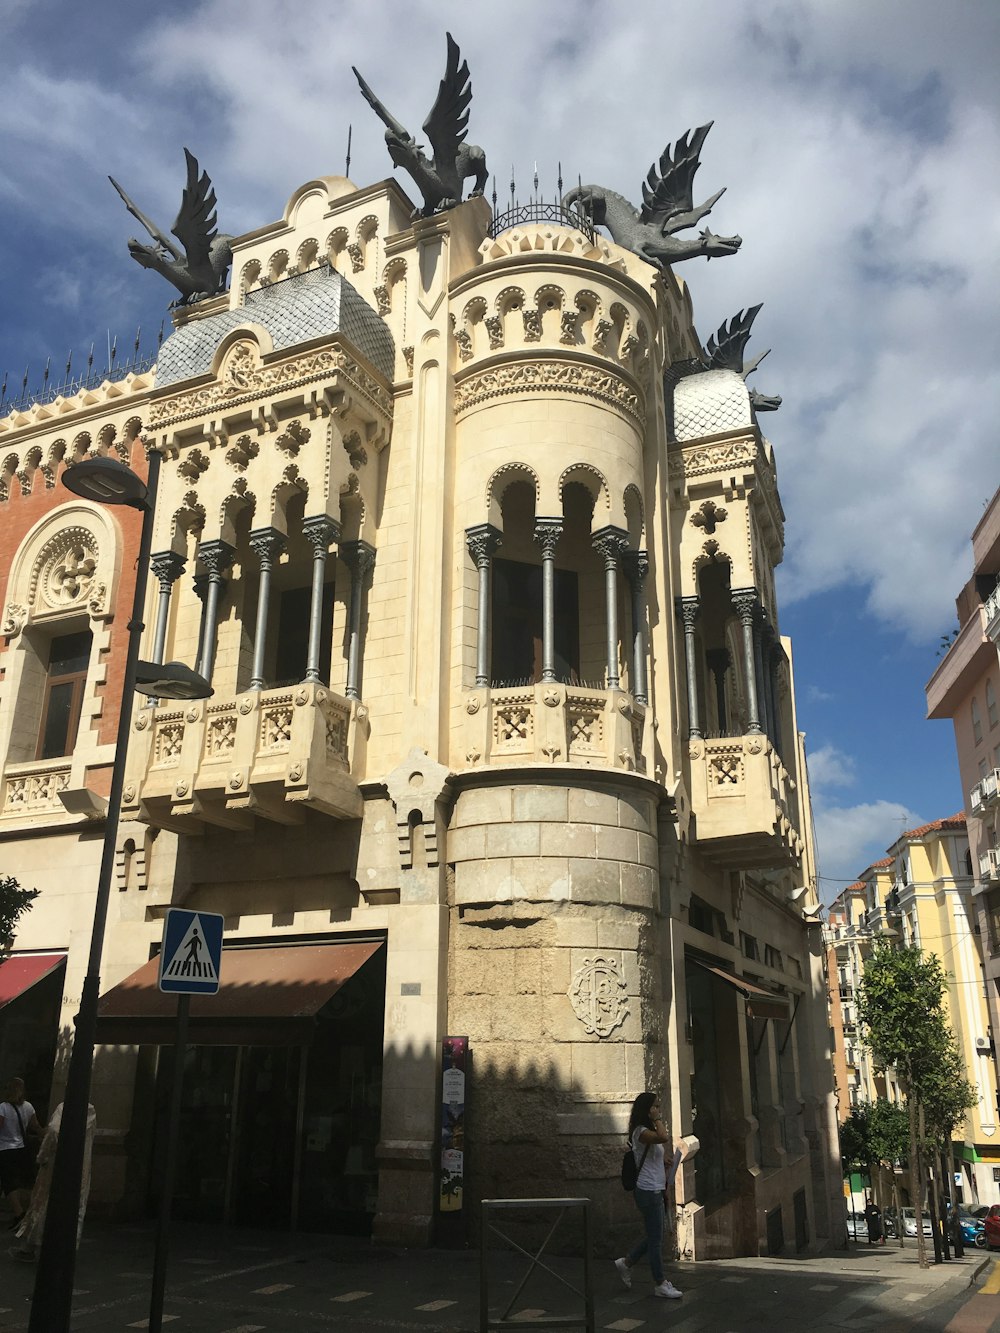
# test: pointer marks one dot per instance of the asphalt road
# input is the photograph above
(229, 1281)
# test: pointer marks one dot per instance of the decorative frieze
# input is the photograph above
(535, 376)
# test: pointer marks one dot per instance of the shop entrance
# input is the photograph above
(282, 1134)
(31, 987)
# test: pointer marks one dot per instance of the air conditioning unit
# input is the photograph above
(983, 1044)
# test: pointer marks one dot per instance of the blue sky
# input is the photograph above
(859, 145)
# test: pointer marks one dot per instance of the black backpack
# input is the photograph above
(630, 1172)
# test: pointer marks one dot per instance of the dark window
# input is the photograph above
(749, 946)
(292, 649)
(772, 957)
(701, 916)
(517, 623)
(65, 680)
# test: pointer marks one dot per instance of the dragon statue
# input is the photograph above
(667, 207)
(200, 269)
(724, 351)
(439, 179)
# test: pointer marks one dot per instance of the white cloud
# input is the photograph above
(830, 767)
(850, 838)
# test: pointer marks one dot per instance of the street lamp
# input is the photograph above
(108, 482)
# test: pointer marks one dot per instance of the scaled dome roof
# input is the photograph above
(710, 402)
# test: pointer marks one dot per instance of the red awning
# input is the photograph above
(266, 997)
(21, 971)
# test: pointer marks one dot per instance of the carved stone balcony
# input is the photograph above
(265, 753)
(32, 789)
(744, 803)
(551, 723)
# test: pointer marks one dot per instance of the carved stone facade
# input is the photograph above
(411, 522)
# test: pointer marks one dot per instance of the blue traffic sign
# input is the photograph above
(192, 952)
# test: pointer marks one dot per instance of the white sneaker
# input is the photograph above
(668, 1290)
(624, 1272)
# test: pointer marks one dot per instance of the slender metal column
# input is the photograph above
(745, 602)
(612, 543)
(482, 541)
(267, 545)
(201, 592)
(688, 607)
(359, 557)
(168, 566)
(759, 652)
(319, 531)
(774, 666)
(216, 556)
(636, 571)
(547, 533)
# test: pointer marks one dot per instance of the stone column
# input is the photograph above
(359, 557)
(760, 629)
(216, 556)
(267, 545)
(744, 601)
(612, 543)
(636, 571)
(482, 541)
(168, 566)
(547, 533)
(774, 665)
(718, 664)
(688, 608)
(319, 531)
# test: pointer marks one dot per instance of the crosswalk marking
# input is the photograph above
(351, 1296)
(273, 1289)
(625, 1325)
(432, 1306)
(144, 1323)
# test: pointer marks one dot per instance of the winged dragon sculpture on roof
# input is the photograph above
(200, 269)
(725, 350)
(667, 208)
(439, 179)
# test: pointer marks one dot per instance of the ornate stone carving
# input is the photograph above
(546, 533)
(408, 360)
(569, 324)
(241, 370)
(463, 341)
(604, 384)
(382, 298)
(494, 330)
(702, 459)
(603, 328)
(708, 515)
(167, 567)
(291, 440)
(598, 994)
(242, 452)
(473, 705)
(482, 541)
(269, 380)
(357, 255)
(532, 325)
(14, 618)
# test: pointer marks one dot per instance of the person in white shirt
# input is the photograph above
(17, 1118)
(647, 1134)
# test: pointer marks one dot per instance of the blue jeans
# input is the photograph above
(650, 1204)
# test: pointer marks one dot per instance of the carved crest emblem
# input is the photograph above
(598, 995)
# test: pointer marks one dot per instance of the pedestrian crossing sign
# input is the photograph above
(191, 952)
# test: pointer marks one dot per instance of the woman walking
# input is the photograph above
(17, 1173)
(647, 1134)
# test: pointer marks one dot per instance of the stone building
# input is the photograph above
(502, 744)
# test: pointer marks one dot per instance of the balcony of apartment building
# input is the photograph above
(560, 643)
(984, 798)
(741, 741)
(274, 737)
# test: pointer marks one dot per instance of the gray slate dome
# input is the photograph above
(710, 402)
(308, 305)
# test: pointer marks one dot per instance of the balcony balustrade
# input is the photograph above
(264, 752)
(552, 723)
(989, 865)
(992, 608)
(986, 792)
(744, 802)
(31, 789)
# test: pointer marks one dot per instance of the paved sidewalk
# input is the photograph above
(238, 1281)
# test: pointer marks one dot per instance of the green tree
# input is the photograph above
(901, 1003)
(14, 902)
(875, 1135)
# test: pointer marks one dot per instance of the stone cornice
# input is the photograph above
(718, 453)
(273, 378)
(111, 396)
(534, 372)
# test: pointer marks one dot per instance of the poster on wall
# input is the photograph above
(454, 1060)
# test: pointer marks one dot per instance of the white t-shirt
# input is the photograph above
(653, 1175)
(10, 1130)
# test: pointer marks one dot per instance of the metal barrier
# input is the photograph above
(541, 1320)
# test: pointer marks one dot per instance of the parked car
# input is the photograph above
(973, 1232)
(857, 1227)
(910, 1223)
(980, 1211)
(991, 1225)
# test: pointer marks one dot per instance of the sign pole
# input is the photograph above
(169, 1168)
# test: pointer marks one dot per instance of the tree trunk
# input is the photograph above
(895, 1204)
(916, 1181)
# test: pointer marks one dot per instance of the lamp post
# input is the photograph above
(108, 482)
